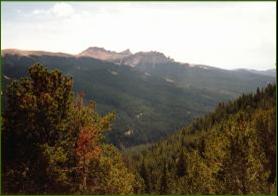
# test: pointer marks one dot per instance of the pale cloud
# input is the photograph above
(18, 11)
(222, 34)
(62, 9)
(36, 12)
(58, 10)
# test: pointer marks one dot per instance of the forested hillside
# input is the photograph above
(53, 142)
(230, 151)
(151, 101)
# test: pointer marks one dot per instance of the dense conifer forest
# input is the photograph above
(230, 151)
(53, 142)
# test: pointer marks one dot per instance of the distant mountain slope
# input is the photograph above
(147, 107)
(30, 53)
(229, 151)
(150, 101)
(184, 75)
(268, 72)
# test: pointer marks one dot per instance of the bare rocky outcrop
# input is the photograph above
(103, 54)
(126, 57)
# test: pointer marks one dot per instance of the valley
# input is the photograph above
(152, 95)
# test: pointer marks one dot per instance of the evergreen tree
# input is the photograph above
(164, 180)
(36, 116)
(181, 165)
(51, 140)
(144, 174)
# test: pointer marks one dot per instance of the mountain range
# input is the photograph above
(152, 94)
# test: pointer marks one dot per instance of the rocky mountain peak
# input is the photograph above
(103, 54)
(147, 58)
(126, 52)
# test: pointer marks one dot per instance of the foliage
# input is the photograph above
(230, 151)
(52, 139)
(35, 119)
(110, 174)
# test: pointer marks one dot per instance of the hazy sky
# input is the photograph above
(222, 34)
